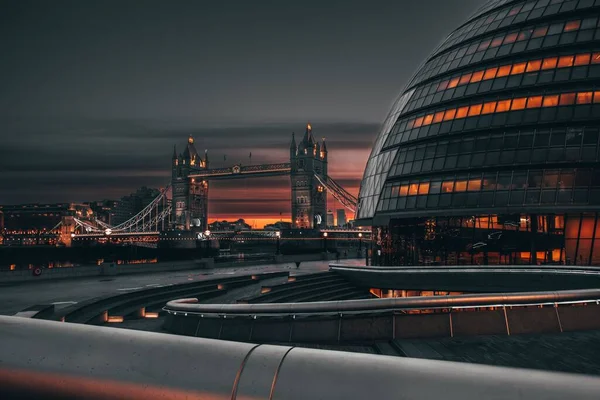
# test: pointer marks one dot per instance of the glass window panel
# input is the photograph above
(475, 110)
(450, 114)
(488, 107)
(539, 32)
(427, 120)
(572, 25)
(490, 73)
(424, 188)
(511, 38)
(595, 58)
(462, 112)
(519, 104)
(465, 79)
(550, 101)
(438, 117)
(503, 71)
(460, 186)
(503, 105)
(518, 68)
(582, 59)
(413, 189)
(567, 99)
(534, 65)
(549, 63)
(584, 97)
(474, 185)
(566, 61)
(403, 190)
(453, 82)
(478, 76)
(534, 102)
(447, 186)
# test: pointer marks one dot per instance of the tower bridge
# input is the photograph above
(183, 203)
(307, 169)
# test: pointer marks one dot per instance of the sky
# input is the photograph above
(93, 95)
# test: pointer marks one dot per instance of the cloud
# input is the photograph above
(53, 160)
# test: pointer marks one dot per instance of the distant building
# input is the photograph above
(277, 226)
(38, 224)
(341, 218)
(105, 210)
(239, 225)
(330, 220)
(132, 204)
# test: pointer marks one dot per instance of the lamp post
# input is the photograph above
(207, 238)
(325, 242)
(278, 235)
(360, 243)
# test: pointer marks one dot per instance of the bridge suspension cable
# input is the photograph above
(348, 201)
(145, 219)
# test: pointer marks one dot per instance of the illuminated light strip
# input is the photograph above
(520, 68)
(114, 319)
(515, 104)
(151, 315)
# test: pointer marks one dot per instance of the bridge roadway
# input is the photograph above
(17, 296)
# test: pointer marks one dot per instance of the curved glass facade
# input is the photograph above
(491, 153)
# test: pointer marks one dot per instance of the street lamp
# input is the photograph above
(278, 235)
(207, 236)
(360, 243)
(325, 242)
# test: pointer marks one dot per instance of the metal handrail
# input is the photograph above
(41, 359)
(384, 304)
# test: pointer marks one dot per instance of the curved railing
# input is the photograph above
(383, 305)
(44, 359)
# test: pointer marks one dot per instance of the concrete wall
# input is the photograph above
(386, 326)
(107, 270)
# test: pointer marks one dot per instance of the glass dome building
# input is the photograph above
(490, 154)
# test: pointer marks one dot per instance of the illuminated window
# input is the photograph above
(549, 63)
(550, 101)
(524, 34)
(442, 86)
(572, 25)
(489, 107)
(534, 102)
(462, 112)
(475, 110)
(584, 97)
(596, 97)
(460, 186)
(410, 124)
(424, 188)
(474, 185)
(477, 76)
(567, 99)
(534, 65)
(565, 61)
(447, 186)
(428, 119)
(518, 104)
(465, 79)
(503, 105)
(450, 114)
(453, 83)
(511, 38)
(413, 189)
(539, 32)
(582, 59)
(595, 58)
(438, 117)
(503, 71)
(496, 42)
(418, 122)
(484, 45)
(518, 68)
(403, 190)
(490, 73)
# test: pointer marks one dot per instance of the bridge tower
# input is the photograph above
(309, 197)
(190, 196)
